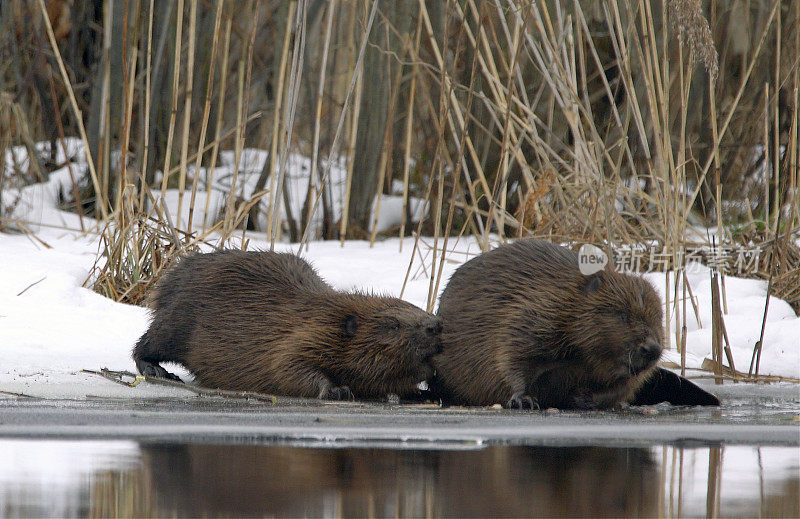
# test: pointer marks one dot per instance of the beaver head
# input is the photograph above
(615, 326)
(391, 341)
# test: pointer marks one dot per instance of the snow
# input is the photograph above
(251, 162)
(51, 327)
(745, 304)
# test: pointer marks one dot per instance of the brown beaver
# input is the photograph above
(524, 327)
(264, 321)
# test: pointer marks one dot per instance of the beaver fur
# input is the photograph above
(523, 327)
(266, 322)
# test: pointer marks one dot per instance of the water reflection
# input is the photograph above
(508, 481)
(103, 479)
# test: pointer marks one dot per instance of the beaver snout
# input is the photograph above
(645, 355)
(433, 326)
(430, 331)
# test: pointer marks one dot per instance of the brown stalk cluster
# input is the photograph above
(691, 26)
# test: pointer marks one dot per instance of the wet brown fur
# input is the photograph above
(522, 321)
(263, 321)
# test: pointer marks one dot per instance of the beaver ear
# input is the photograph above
(350, 325)
(593, 282)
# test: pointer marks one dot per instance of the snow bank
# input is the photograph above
(745, 302)
(51, 327)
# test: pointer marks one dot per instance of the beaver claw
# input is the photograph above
(337, 393)
(521, 401)
(149, 369)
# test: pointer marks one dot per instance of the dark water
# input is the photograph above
(126, 478)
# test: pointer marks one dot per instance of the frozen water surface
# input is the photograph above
(186, 455)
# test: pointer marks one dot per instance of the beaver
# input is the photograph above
(267, 322)
(524, 327)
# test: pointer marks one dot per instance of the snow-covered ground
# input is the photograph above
(51, 327)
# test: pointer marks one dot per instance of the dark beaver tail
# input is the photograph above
(666, 386)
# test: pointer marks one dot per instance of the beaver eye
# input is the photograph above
(393, 324)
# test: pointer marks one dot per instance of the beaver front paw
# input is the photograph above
(150, 369)
(522, 401)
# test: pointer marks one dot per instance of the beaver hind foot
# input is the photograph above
(337, 393)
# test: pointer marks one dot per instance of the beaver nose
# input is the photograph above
(647, 354)
(434, 326)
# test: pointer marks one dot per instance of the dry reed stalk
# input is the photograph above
(147, 104)
(386, 151)
(755, 361)
(313, 189)
(505, 160)
(206, 110)
(74, 103)
(128, 117)
(678, 207)
(778, 208)
(127, 89)
(450, 123)
(431, 299)
(408, 132)
(444, 107)
(350, 158)
(615, 28)
(104, 137)
(340, 124)
(242, 94)
(502, 94)
(176, 64)
(187, 110)
(62, 139)
(227, 227)
(766, 156)
(794, 134)
(456, 176)
(416, 240)
(244, 103)
(776, 144)
(459, 116)
(276, 124)
(735, 103)
(358, 73)
(223, 83)
(295, 77)
(716, 327)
